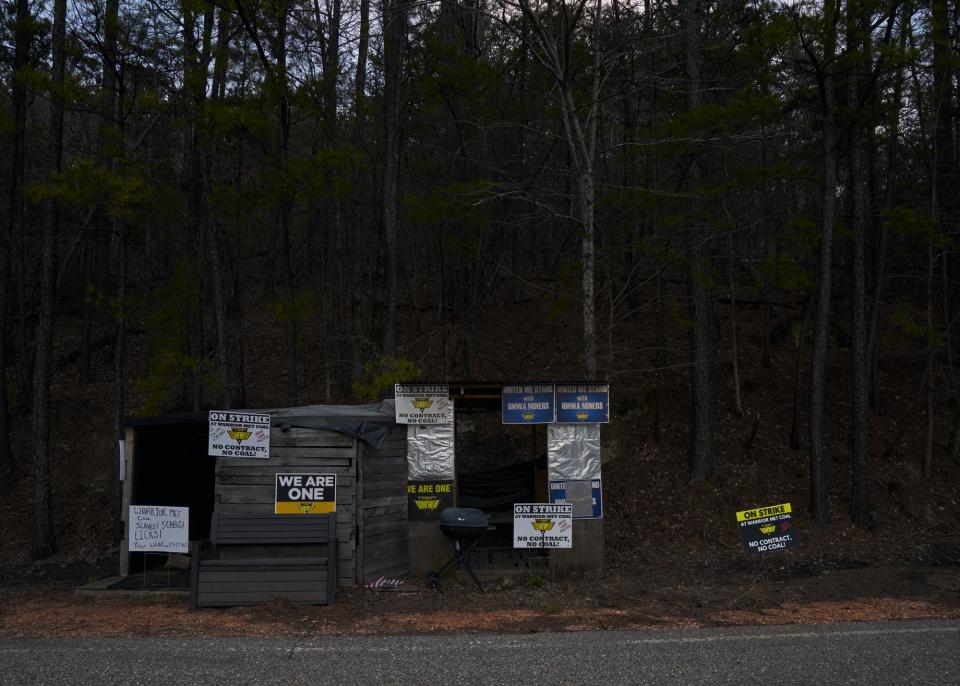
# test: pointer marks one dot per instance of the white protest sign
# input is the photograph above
(542, 525)
(159, 529)
(238, 434)
(422, 404)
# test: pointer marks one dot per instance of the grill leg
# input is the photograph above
(434, 578)
(466, 565)
(461, 558)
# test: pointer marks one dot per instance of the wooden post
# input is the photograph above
(127, 486)
(358, 451)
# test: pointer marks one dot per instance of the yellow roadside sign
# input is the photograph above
(760, 512)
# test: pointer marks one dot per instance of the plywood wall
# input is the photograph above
(247, 484)
(383, 510)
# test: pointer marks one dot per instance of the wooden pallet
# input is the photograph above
(255, 558)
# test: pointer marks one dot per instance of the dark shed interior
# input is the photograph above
(172, 468)
(497, 465)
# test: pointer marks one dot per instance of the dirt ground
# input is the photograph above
(663, 591)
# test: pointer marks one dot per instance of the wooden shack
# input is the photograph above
(167, 464)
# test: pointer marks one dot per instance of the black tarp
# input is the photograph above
(368, 423)
(499, 488)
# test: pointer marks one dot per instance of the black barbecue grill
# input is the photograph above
(463, 527)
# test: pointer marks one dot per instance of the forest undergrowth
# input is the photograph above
(664, 538)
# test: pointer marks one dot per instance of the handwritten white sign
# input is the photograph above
(159, 529)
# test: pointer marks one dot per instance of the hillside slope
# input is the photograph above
(650, 511)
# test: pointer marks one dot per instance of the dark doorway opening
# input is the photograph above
(497, 466)
(171, 467)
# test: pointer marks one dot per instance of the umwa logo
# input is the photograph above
(421, 403)
(542, 524)
(427, 502)
(768, 529)
(306, 508)
(239, 434)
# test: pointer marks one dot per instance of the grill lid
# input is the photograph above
(464, 518)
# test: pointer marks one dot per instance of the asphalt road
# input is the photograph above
(864, 653)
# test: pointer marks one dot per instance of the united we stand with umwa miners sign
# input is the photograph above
(530, 404)
(305, 494)
(539, 525)
(238, 434)
(763, 529)
(583, 404)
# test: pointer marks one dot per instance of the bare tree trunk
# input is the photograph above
(701, 344)
(120, 346)
(14, 225)
(945, 158)
(331, 214)
(587, 275)
(767, 206)
(737, 403)
(794, 440)
(286, 207)
(942, 194)
(955, 443)
(701, 386)
(946, 209)
(214, 247)
(860, 511)
(220, 313)
(95, 271)
(25, 345)
(892, 159)
(354, 303)
(113, 146)
(6, 455)
(583, 144)
(363, 45)
(277, 83)
(395, 34)
(331, 73)
(194, 87)
(931, 350)
(119, 350)
(44, 539)
(819, 505)
(198, 171)
(227, 345)
(661, 356)
(553, 48)
(23, 35)
(86, 327)
(947, 309)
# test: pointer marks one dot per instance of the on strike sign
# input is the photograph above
(238, 434)
(763, 529)
(305, 494)
(542, 525)
(422, 404)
